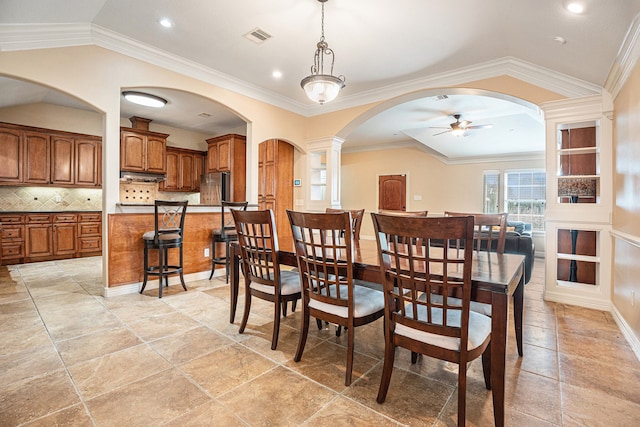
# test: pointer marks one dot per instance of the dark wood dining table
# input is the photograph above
(495, 278)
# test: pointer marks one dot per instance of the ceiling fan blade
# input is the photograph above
(480, 127)
(440, 133)
(439, 127)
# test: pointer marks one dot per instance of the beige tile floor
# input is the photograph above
(68, 356)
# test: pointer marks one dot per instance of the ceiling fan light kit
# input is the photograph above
(320, 87)
(460, 128)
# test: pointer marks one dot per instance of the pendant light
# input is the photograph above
(320, 87)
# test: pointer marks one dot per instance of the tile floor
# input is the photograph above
(71, 357)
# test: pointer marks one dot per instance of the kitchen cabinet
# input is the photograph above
(12, 236)
(11, 155)
(275, 182)
(227, 153)
(142, 150)
(89, 233)
(38, 239)
(43, 157)
(184, 168)
(43, 236)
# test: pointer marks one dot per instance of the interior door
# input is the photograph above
(392, 192)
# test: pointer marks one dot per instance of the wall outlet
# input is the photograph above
(206, 252)
(417, 197)
(58, 198)
(633, 298)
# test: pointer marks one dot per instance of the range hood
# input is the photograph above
(141, 177)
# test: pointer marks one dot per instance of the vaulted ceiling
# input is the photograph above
(383, 48)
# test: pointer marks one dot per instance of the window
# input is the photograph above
(523, 195)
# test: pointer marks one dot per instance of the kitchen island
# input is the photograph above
(126, 248)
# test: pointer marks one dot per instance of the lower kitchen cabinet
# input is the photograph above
(33, 237)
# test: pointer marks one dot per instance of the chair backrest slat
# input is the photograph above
(226, 208)
(169, 216)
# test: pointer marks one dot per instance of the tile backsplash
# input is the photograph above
(49, 199)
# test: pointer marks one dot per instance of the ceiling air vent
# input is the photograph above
(257, 35)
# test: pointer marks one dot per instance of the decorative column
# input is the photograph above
(323, 173)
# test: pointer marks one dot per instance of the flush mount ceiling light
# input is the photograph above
(320, 87)
(145, 99)
(575, 7)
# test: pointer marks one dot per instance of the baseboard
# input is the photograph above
(579, 300)
(133, 288)
(632, 339)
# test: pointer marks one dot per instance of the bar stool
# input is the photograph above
(225, 234)
(167, 233)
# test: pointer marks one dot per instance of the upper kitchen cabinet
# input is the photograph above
(227, 153)
(184, 168)
(142, 150)
(34, 156)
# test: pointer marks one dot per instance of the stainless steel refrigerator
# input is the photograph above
(215, 187)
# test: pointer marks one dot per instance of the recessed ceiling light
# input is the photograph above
(145, 99)
(575, 7)
(166, 22)
(277, 74)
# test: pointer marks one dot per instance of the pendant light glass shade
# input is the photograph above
(320, 87)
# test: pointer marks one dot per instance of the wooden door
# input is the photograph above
(173, 170)
(187, 178)
(392, 192)
(36, 166)
(156, 154)
(132, 152)
(275, 182)
(87, 162)
(62, 160)
(11, 155)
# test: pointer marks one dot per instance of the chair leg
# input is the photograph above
(462, 394)
(213, 258)
(227, 262)
(276, 322)
(247, 308)
(319, 323)
(350, 345)
(284, 308)
(160, 271)
(166, 261)
(293, 305)
(414, 357)
(486, 366)
(387, 370)
(304, 330)
(181, 267)
(146, 267)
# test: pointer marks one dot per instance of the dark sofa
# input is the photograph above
(520, 242)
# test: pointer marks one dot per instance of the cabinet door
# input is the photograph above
(62, 160)
(132, 152)
(64, 239)
(38, 240)
(173, 170)
(225, 155)
(87, 158)
(187, 178)
(36, 164)
(11, 155)
(212, 158)
(198, 170)
(156, 155)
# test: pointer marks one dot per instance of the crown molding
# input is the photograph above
(625, 61)
(539, 76)
(37, 36)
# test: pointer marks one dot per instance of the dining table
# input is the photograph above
(495, 278)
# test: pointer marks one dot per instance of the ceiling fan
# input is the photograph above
(458, 128)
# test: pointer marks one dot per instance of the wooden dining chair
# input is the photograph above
(490, 230)
(258, 240)
(357, 216)
(413, 319)
(324, 250)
